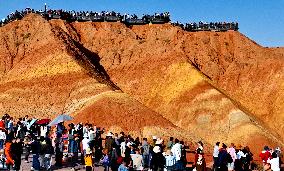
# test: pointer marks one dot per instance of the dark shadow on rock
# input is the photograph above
(87, 59)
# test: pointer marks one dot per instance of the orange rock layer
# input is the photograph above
(147, 80)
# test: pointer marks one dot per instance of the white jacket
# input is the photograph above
(274, 162)
(122, 149)
(176, 150)
(2, 135)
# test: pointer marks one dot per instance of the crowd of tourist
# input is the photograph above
(240, 158)
(71, 16)
(91, 146)
(82, 145)
(204, 26)
(157, 18)
(18, 15)
(105, 16)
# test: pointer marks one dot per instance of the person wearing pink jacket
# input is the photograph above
(232, 152)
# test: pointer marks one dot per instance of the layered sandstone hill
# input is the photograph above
(151, 79)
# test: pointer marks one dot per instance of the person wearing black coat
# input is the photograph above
(158, 161)
(16, 151)
(222, 162)
(35, 146)
(47, 150)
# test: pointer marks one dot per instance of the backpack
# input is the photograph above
(229, 158)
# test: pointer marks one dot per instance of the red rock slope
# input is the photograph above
(215, 86)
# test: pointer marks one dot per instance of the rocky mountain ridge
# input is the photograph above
(158, 78)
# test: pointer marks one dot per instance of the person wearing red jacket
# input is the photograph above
(2, 123)
(265, 155)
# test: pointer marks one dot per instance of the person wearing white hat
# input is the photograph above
(158, 160)
(159, 141)
(109, 134)
(157, 149)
